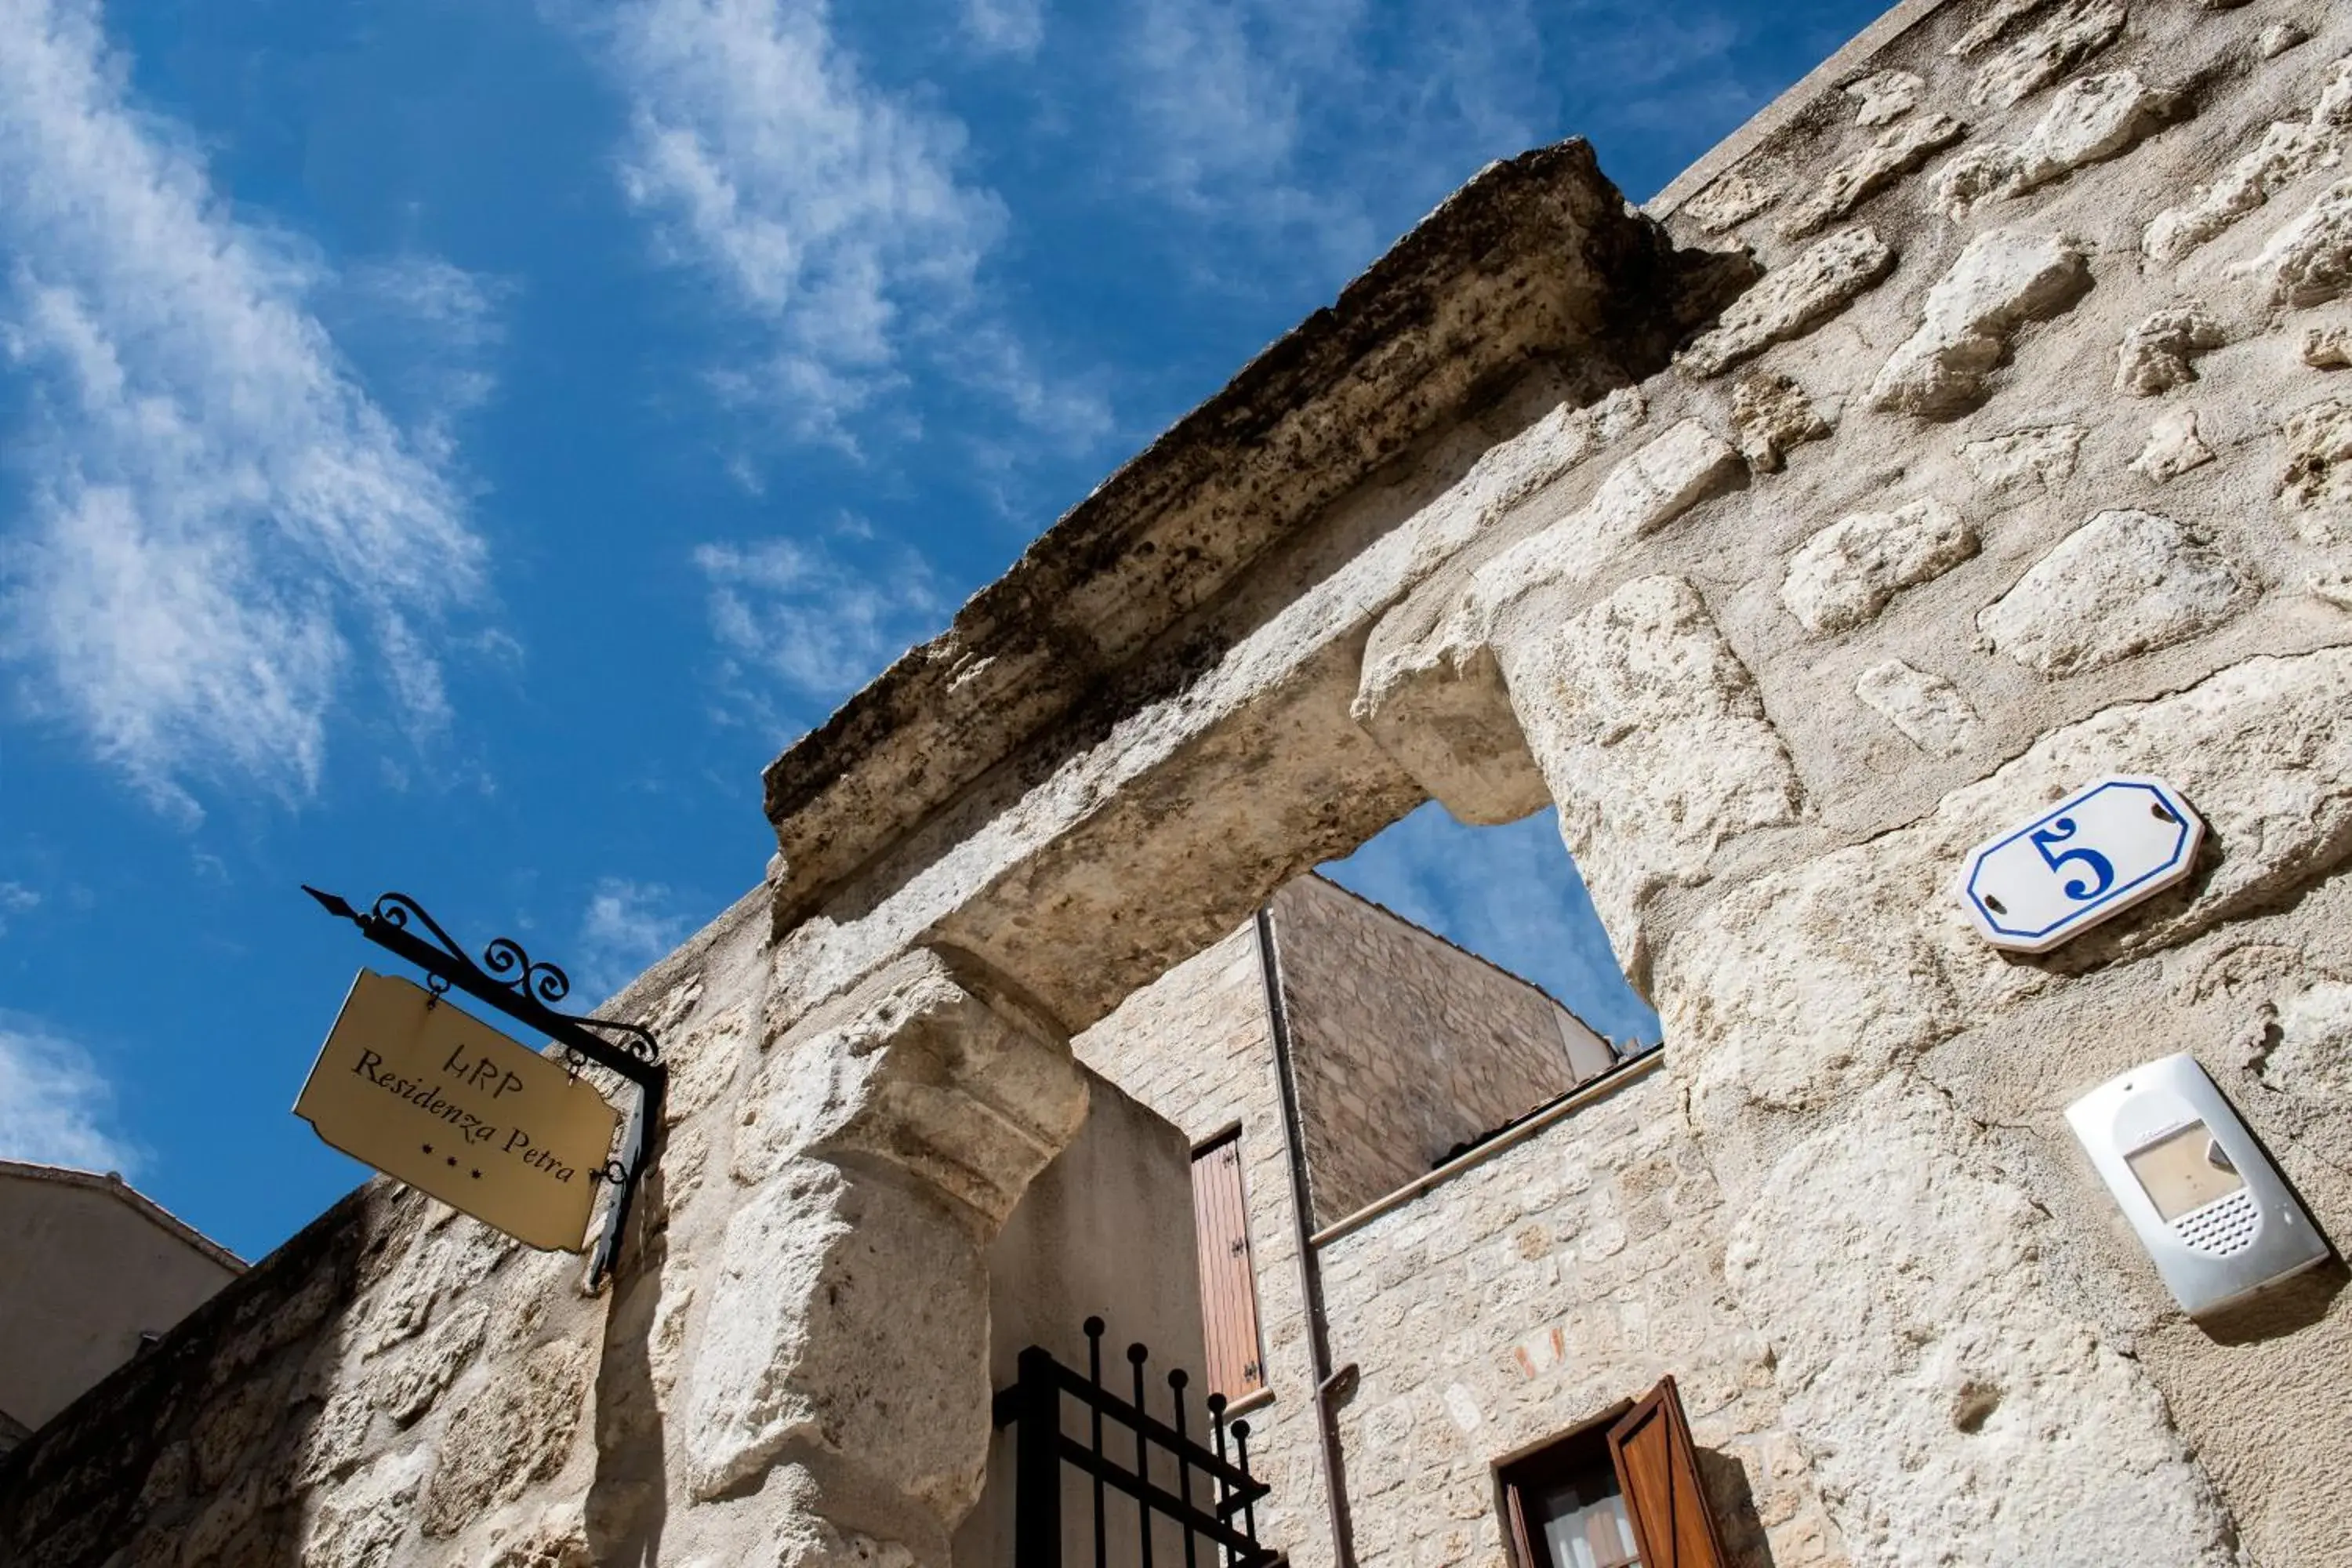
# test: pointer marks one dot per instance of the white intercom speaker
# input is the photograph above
(2211, 1210)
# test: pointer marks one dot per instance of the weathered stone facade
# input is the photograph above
(2013, 455)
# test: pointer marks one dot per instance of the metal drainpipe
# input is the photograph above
(1310, 1273)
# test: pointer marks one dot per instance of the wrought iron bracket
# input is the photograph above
(507, 978)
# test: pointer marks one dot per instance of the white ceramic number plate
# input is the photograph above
(2094, 854)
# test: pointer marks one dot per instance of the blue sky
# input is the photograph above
(453, 445)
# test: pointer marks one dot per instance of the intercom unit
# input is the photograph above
(2210, 1208)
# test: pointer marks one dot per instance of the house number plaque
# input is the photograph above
(2092, 855)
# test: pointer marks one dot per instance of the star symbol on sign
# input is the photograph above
(428, 1148)
(477, 1175)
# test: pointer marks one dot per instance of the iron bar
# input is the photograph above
(1176, 1382)
(1094, 1326)
(1137, 1355)
(1037, 1477)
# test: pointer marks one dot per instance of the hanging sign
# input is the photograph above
(2092, 855)
(433, 1097)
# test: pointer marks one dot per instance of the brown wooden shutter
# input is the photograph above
(1657, 1469)
(1228, 1284)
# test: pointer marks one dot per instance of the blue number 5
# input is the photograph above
(2059, 832)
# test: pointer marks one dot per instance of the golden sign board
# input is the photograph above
(436, 1098)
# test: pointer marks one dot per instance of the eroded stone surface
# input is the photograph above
(1897, 151)
(1884, 96)
(361, 1523)
(1793, 300)
(2278, 37)
(2288, 151)
(1809, 983)
(1770, 415)
(1610, 698)
(2315, 493)
(2072, 32)
(1845, 575)
(917, 1069)
(1730, 201)
(1927, 709)
(2309, 261)
(2122, 584)
(1916, 1275)
(2173, 448)
(516, 1430)
(2042, 458)
(2002, 280)
(2091, 120)
(433, 1365)
(2155, 355)
(2327, 348)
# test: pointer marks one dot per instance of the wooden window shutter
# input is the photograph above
(1657, 1469)
(1228, 1283)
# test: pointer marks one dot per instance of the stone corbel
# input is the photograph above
(845, 1346)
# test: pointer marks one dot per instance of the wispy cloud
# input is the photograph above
(1006, 26)
(211, 503)
(793, 619)
(15, 898)
(56, 1106)
(1511, 895)
(625, 928)
(829, 210)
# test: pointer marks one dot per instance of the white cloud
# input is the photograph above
(56, 1106)
(212, 502)
(627, 926)
(1006, 26)
(829, 210)
(15, 898)
(788, 612)
(1511, 895)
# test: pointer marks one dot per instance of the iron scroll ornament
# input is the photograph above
(507, 978)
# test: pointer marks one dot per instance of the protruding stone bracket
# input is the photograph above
(889, 1137)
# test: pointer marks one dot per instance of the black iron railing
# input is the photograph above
(1215, 1496)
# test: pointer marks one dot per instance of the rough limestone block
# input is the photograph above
(1792, 302)
(2309, 262)
(409, 1391)
(2041, 457)
(1805, 985)
(516, 1431)
(1884, 96)
(1927, 709)
(2278, 37)
(1434, 699)
(1913, 1315)
(2090, 121)
(2072, 33)
(2002, 280)
(1650, 732)
(2173, 448)
(829, 1290)
(1995, 20)
(2333, 105)
(2288, 151)
(971, 1094)
(2315, 490)
(2327, 348)
(360, 1523)
(1770, 415)
(2123, 583)
(1730, 201)
(1845, 575)
(2155, 355)
(1898, 150)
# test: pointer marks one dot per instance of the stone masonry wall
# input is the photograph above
(1528, 1296)
(1405, 1046)
(2022, 464)
(1194, 1048)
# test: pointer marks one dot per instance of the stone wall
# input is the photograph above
(1405, 1046)
(2024, 461)
(1530, 1295)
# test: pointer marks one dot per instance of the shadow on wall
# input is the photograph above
(186, 1442)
